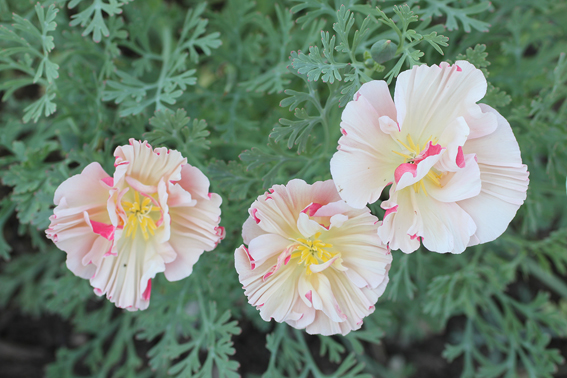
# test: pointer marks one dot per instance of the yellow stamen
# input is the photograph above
(423, 187)
(435, 178)
(406, 146)
(415, 147)
(310, 252)
(403, 155)
(139, 214)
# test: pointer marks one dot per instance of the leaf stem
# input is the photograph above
(308, 358)
(547, 278)
(165, 54)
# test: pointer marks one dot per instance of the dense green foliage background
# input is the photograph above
(251, 93)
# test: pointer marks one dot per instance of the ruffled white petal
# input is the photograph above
(457, 186)
(442, 227)
(146, 165)
(399, 218)
(428, 99)
(79, 200)
(504, 181)
(378, 95)
(499, 148)
(124, 277)
(275, 297)
(195, 217)
(364, 164)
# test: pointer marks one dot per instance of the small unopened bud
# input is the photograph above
(383, 51)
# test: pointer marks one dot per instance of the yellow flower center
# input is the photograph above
(312, 252)
(139, 214)
(413, 150)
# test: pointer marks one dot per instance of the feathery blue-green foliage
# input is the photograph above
(251, 92)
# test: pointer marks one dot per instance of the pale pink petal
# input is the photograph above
(499, 148)
(308, 227)
(251, 230)
(124, 278)
(194, 181)
(147, 165)
(395, 228)
(337, 221)
(306, 315)
(368, 260)
(446, 228)
(389, 126)
(503, 192)
(378, 95)
(428, 99)
(323, 297)
(364, 164)
(79, 200)
(194, 225)
(457, 186)
(283, 202)
(333, 208)
(454, 138)
(83, 191)
(275, 296)
(267, 246)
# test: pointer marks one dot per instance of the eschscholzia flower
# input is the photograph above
(455, 166)
(154, 215)
(312, 261)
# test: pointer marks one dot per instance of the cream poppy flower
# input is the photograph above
(455, 166)
(312, 261)
(155, 215)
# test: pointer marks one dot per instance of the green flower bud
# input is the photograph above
(383, 50)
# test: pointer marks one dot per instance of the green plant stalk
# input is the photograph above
(165, 54)
(550, 280)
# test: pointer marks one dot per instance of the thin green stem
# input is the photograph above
(279, 335)
(308, 358)
(165, 54)
(547, 278)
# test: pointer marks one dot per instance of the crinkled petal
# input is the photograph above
(124, 278)
(368, 260)
(79, 200)
(396, 225)
(429, 99)
(445, 227)
(195, 216)
(455, 137)
(503, 192)
(378, 95)
(266, 246)
(307, 226)
(277, 212)
(499, 148)
(504, 181)
(457, 186)
(251, 230)
(364, 164)
(147, 165)
(276, 296)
